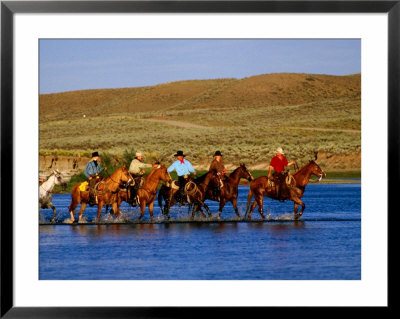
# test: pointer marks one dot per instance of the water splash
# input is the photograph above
(42, 218)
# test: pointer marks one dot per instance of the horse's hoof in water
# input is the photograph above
(53, 220)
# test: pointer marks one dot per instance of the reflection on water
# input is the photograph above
(329, 248)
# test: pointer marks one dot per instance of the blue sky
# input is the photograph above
(68, 65)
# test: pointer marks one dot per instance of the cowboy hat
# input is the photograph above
(138, 154)
(95, 154)
(217, 153)
(180, 153)
(279, 150)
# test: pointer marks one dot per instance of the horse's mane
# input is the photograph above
(234, 171)
(154, 171)
(117, 170)
(201, 178)
(303, 167)
(237, 168)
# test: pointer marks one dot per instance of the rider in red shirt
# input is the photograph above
(278, 164)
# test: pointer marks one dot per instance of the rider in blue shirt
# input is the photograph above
(183, 168)
(92, 169)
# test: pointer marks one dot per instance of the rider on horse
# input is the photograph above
(278, 164)
(92, 171)
(137, 171)
(218, 165)
(183, 168)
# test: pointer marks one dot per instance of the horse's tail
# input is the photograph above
(249, 197)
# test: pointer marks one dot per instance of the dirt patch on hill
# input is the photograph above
(175, 123)
(68, 166)
(338, 162)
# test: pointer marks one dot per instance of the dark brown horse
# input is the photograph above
(195, 190)
(261, 187)
(148, 192)
(229, 191)
(106, 191)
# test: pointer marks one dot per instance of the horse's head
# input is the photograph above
(164, 175)
(316, 170)
(58, 179)
(125, 177)
(245, 173)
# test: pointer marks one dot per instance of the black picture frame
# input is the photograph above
(9, 8)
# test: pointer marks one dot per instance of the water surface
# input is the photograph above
(324, 244)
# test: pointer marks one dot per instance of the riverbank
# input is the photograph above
(334, 177)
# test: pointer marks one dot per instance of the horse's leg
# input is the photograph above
(202, 204)
(81, 210)
(194, 210)
(234, 204)
(249, 197)
(260, 206)
(297, 201)
(221, 206)
(71, 208)
(197, 208)
(160, 198)
(115, 209)
(252, 208)
(142, 208)
(99, 208)
(166, 209)
(54, 213)
(151, 205)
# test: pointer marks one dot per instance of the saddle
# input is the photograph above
(288, 178)
(282, 182)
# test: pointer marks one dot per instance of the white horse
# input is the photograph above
(46, 189)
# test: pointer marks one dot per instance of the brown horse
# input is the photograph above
(106, 191)
(229, 191)
(260, 187)
(195, 190)
(148, 192)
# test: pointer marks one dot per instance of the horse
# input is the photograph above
(261, 187)
(45, 191)
(148, 192)
(106, 191)
(229, 191)
(195, 190)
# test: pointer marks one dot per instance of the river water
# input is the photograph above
(324, 244)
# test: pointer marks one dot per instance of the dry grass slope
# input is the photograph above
(246, 119)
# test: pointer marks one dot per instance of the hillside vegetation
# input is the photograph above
(244, 118)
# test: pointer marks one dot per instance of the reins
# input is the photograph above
(106, 188)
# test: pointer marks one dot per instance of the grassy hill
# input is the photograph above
(244, 118)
